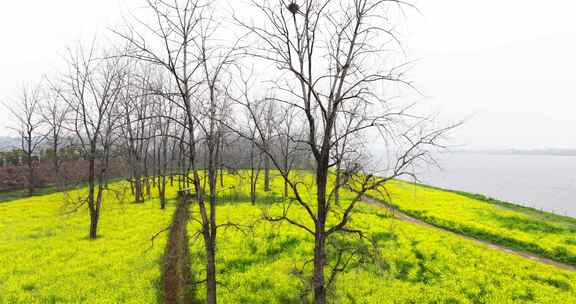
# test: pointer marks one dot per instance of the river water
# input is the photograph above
(545, 182)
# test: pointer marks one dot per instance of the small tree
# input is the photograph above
(290, 133)
(54, 114)
(255, 162)
(28, 116)
(164, 131)
(91, 89)
(133, 107)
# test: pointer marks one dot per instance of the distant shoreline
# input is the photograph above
(549, 152)
(491, 200)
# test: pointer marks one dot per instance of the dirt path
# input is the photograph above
(404, 217)
(177, 277)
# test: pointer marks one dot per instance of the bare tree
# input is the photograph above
(255, 161)
(182, 45)
(164, 129)
(215, 61)
(91, 89)
(163, 160)
(348, 149)
(29, 129)
(290, 132)
(269, 119)
(333, 69)
(134, 107)
(55, 113)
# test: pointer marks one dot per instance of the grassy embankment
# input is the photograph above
(526, 229)
(46, 258)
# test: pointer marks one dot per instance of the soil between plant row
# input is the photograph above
(177, 273)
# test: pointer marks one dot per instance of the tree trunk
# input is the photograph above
(319, 262)
(147, 183)
(131, 180)
(253, 185)
(162, 171)
(253, 193)
(91, 202)
(209, 234)
(30, 177)
(221, 177)
(146, 173)
(211, 247)
(138, 192)
(93, 223)
(211, 272)
(320, 233)
(96, 212)
(162, 191)
(56, 163)
(266, 173)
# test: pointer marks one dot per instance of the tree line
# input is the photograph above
(190, 89)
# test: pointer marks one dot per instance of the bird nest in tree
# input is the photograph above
(293, 8)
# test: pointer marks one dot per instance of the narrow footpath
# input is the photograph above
(177, 275)
(404, 217)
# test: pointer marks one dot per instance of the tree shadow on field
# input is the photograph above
(16, 194)
(262, 252)
(242, 197)
(416, 270)
(268, 253)
(12, 195)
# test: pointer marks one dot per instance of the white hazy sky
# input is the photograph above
(508, 65)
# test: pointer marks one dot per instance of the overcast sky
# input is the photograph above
(507, 65)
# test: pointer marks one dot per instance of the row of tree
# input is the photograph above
(189, 89)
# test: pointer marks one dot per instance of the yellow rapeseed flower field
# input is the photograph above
(45, 256)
